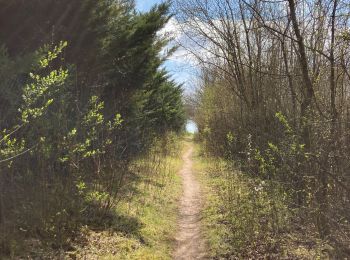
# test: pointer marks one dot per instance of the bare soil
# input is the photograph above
(189, 240)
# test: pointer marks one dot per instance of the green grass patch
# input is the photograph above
(145, 219)
(156, 209)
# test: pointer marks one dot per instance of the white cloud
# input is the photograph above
(173, 30)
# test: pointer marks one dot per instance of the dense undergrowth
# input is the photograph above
(140, 224)
(246, 217)
(145, 220)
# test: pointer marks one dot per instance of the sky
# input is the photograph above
(145, 5)
(191, 127)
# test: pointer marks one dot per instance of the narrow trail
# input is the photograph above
(189, 241)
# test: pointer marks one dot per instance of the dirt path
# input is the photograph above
(189, 242)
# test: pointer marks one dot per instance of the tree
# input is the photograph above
(273, 95)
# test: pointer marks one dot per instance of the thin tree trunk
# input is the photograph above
(307, 97)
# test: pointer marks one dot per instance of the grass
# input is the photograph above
(147, 216)
(215, 230)
(247, 218)
(156, 209)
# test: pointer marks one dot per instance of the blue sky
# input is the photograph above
(191, 127)
(145, 5)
